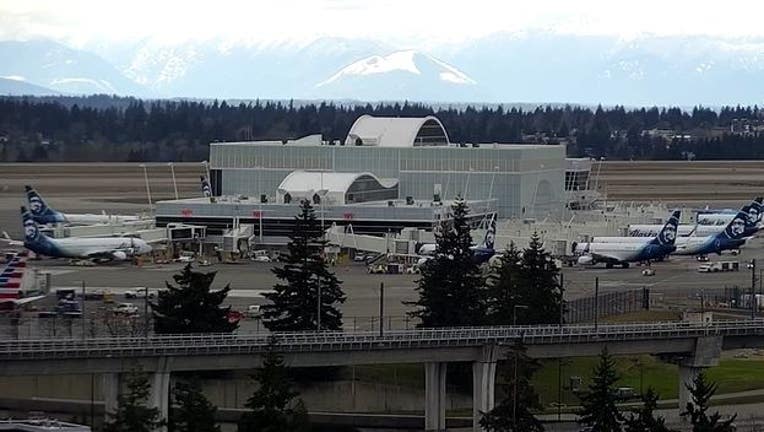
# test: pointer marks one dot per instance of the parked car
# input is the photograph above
(253, 311)
(359, 258)
(138, 293)
(125, 309)
(262, 259)
(648, 272)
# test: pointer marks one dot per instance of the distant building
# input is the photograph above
(386, 174)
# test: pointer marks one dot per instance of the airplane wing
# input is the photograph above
(9, 241)
(22, 301)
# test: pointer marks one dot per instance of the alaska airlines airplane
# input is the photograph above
(481, 253)
(753, 210)
(733, 236)
(95, 248)
(206, 188)
(43, 214)
(628, 251)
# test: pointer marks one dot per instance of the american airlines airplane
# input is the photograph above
(753, 210)
(100, 249)
(11, 278)
(627, 250)
(43, 214)
(732, 238)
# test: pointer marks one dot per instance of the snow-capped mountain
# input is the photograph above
(15, 85)
(527, 67)
(62, 69)
(407, 74)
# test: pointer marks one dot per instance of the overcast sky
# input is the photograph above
(408, 22)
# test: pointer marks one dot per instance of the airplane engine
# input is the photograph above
(119, 256)
(585, 260)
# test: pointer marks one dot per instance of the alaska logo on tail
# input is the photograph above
(34, 240)
(490, 234)
(736, 228)
(667, 236)
(206, 188)
(40, 211)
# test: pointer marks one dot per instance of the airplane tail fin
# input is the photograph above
(32, 232)
(206, 188)
(490, 234)
(736, 228)
(754, 212)
(10, 277)
(667, 236)
(39, 209)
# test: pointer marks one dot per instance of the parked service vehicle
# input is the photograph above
(359, 258)
(186, 257)
(125, 309)
(721, 266)
(648, 272)
(138, 293)
(261, 258)
(253, 311)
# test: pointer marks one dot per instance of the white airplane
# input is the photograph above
(481, 253)
(732, 238)
(98, 249)
(628, 251)
(43, 214)
(753, 210)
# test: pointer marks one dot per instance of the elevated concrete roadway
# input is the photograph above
(693, 345)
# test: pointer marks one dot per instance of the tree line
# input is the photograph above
(110, 128)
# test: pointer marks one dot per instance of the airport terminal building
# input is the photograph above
(396, 171)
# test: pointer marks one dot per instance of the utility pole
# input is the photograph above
(754, 300)
(596, 301)
(82, 311)
(174, 183)
(562, 298)
(381, 308)
(318, 303)
(146, 311)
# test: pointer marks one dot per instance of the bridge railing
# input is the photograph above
(189, 344)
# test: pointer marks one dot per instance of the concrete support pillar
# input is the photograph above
(110, 387)
(483, 390)
(435, 397)
(160, 395)
(686, 376)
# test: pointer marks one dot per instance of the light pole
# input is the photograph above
(514, 379)
(174, 183)
(754, 300)
(148, 189)
(318, 303)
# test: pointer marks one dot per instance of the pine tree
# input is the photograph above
(540, 288)
(598, 409)
(451, 289)
(697, 410)
(504, 287)
(272, 407)
(132, 414)
(305, 272)
(513, 414)
(644, 419)
(192, 412)
(191, 307)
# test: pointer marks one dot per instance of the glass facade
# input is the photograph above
(527, 180)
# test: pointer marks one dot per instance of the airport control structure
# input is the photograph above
(386, 175)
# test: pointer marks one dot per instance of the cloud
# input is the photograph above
(404, 22)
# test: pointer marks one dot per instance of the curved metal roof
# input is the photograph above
(392, 131)
(338, 182)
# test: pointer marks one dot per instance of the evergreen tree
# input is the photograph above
(598, 409)
(504, 287)
(513, 413)
(304, 274)
(451, 289)
(272, 407)
(643, 419)
(132, 414)
(697, 410)
(540, 288)
(191, 411)
(191, 307)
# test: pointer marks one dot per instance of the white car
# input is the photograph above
(125, 309)
(253, 311)
(138, 294)
(262, 259)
